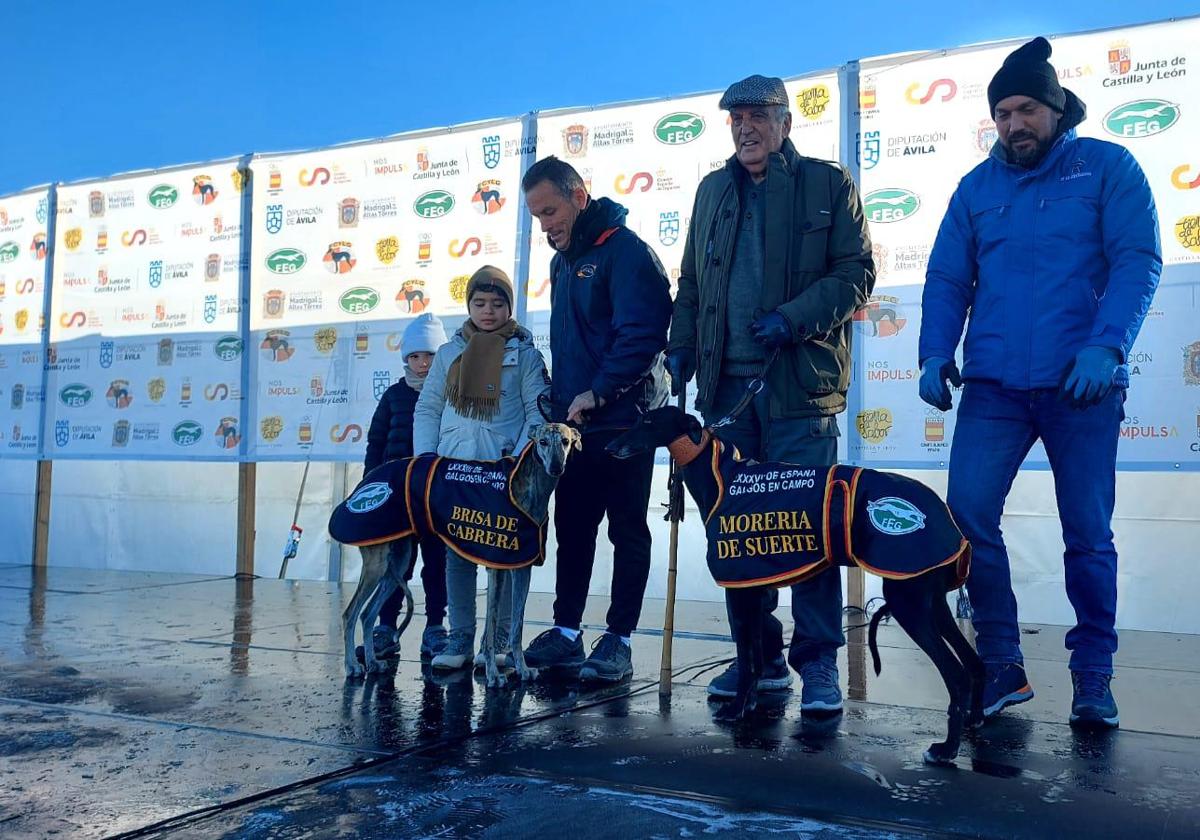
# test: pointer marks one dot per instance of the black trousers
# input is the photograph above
(596, 484)
(433, 579)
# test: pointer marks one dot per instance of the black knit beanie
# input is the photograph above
(1027, 72)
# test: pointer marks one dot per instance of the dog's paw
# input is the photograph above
(497, 680)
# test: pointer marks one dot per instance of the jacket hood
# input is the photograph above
(600, 215)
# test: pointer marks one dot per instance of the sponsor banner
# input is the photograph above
(144, 313)
(651, 157)
(23, 251)
(349, 244)
(317, 387)
(925, 124)
(164, 397)
(893, 427)
(381, 231)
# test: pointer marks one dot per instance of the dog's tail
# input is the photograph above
(880, 614)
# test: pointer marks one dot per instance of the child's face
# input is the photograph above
(420, 362)
(488, 311)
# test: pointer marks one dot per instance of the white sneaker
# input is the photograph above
(456, 654)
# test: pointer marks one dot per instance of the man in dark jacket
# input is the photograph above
(390, 437)
(777, 260)
(610, 304)
(1050, 246)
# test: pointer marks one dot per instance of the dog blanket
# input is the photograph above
(469, 505)
(777, 524)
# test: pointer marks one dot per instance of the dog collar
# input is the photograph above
(684, 450)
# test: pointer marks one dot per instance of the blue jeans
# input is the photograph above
(812, 441)
(996, 429)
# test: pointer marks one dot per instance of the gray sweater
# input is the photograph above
(743, 355)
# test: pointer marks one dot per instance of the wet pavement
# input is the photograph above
(184, 706)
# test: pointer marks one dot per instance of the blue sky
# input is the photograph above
(91, 89)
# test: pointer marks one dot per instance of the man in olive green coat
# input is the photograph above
(778, 257)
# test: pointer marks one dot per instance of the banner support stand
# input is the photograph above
(522, 252)
(45, 467)
(247, 470)
(856, 579)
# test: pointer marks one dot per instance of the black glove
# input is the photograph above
(681, 364)
(772, 330)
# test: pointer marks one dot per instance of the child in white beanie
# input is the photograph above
(391, 437)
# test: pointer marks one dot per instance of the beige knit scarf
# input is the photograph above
(473, 381)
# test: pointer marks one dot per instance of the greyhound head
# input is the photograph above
(553, 443)
(653, 429)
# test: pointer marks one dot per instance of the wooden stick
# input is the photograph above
(664, 672)
(675, 515)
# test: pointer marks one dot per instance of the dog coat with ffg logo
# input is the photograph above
(469, 505)
(776, 524)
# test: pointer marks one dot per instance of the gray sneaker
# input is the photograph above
(433, 641)
(457, 653)
(611, 661)
(774, 677)
(820, 692)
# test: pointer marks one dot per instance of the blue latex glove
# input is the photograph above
(771, 330)
(1090, 378)
(934, 374)
(681, 364)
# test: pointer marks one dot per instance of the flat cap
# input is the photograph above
(755, 90)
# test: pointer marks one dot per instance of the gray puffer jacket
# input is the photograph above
(438, 427)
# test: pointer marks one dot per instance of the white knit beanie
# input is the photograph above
(424, 335)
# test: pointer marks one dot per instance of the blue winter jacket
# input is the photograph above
(610, 306)
(1046, 261)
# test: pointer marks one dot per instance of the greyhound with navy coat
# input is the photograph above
(773, 524)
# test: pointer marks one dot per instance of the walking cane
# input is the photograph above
(674, 516)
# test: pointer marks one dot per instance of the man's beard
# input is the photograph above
(1029, 157)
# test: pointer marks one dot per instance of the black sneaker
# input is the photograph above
(611, 661)
(386, 641)
(552, 649)
(1093, 704)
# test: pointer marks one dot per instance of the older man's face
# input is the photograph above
(758, 130)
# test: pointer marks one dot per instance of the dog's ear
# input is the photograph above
(576, 440)
(533, 432)
(547, 410)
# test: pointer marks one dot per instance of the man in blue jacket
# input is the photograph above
(1051, 245)
(610, 304)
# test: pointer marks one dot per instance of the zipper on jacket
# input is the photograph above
(722, 288)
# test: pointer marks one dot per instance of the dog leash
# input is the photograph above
(753, 389)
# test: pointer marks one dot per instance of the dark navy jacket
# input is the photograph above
(1045, 262)
(391, 433)
(610, 308)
